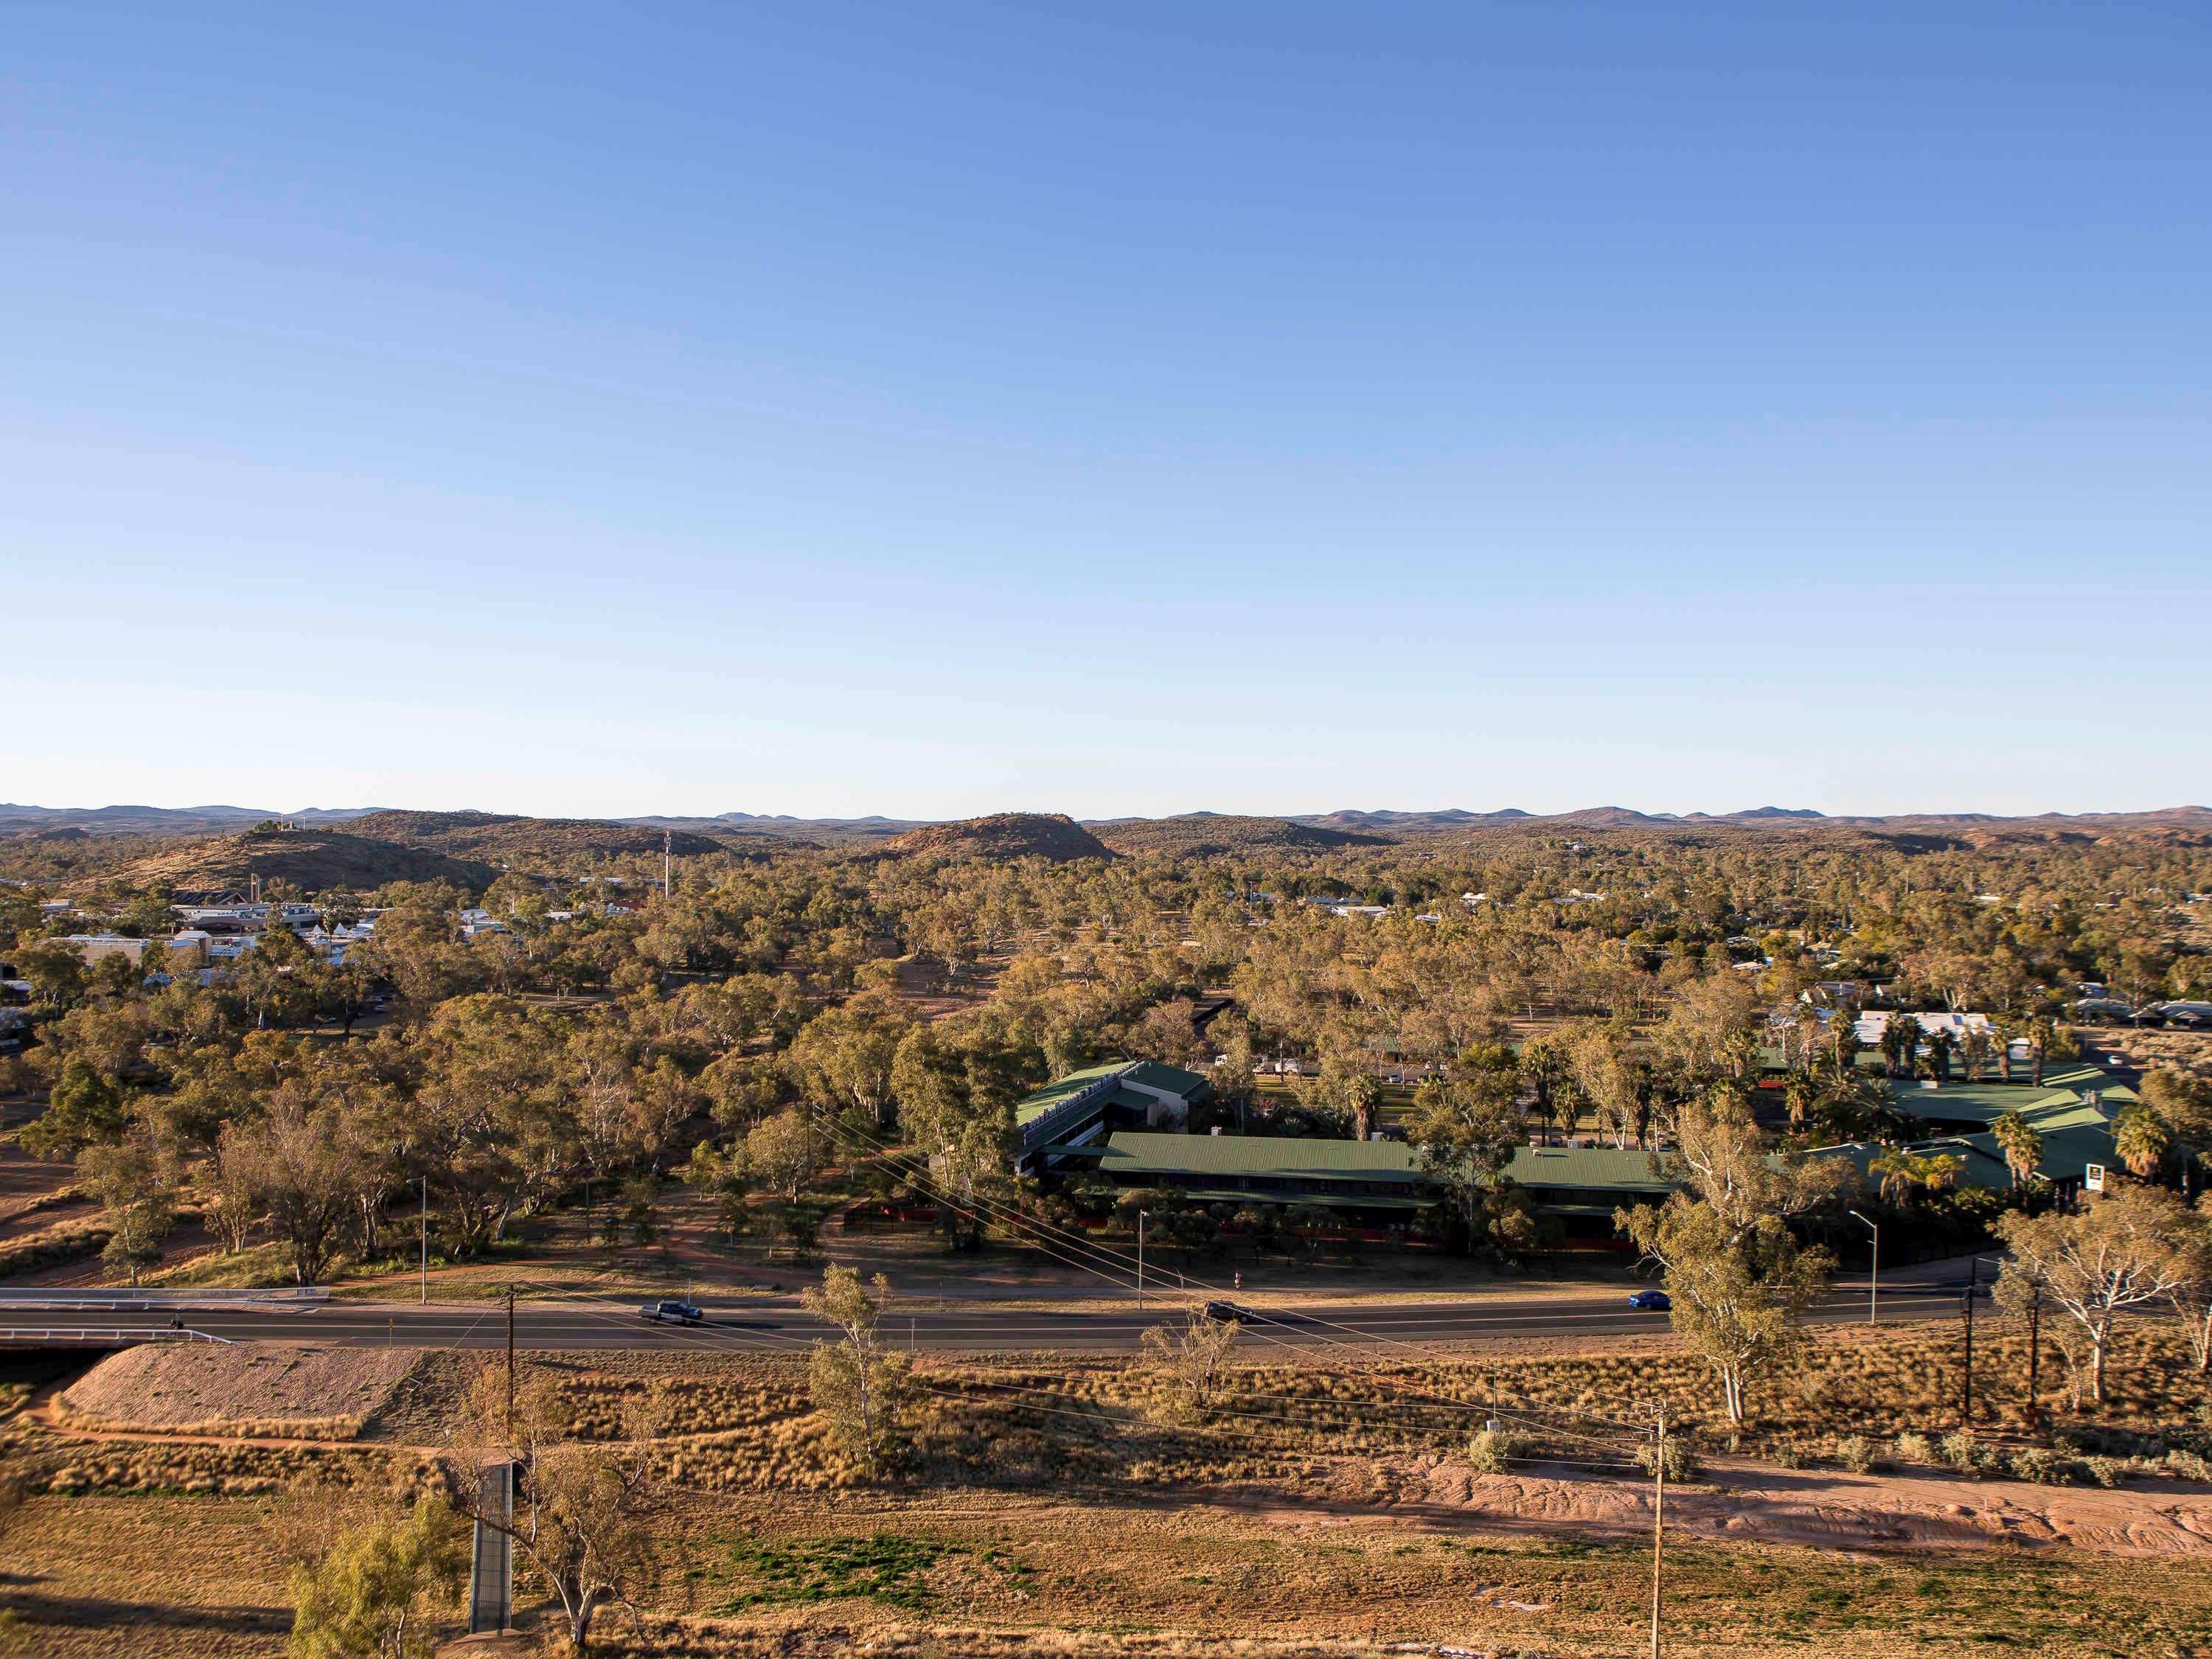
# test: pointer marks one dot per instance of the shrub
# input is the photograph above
(2107, 1471)
(1914, 1447)
(1856, 1453)
(1493, 1451)
(2045, 1469)
(1958, 1449)
(64, 1240)
(2108, 1440)
(1681, 1462)
(2189, 1466)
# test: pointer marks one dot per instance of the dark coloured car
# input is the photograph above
(1226, 1313)
(1655, 1301)
(673, 1312)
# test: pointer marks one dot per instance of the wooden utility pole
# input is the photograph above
(510, 1364)
(1140, 1258)
(1658, 1517)
(425, 1296)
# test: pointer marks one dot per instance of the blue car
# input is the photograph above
(1657, 1301)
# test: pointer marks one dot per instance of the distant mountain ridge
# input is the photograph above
(872, 828)
(452, 830)
(1616, 818)
(163, 820)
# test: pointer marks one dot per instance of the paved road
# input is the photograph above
(758, 1327)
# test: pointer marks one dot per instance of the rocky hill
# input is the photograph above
(1053, 836)
(313, 860)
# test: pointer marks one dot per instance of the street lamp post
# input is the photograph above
(1143, 1216)
(1873, 1269)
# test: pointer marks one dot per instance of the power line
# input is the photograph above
(1014, 1218)
(1017, 1220)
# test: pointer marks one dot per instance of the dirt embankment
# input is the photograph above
(295, 1390)
(1754, 1503)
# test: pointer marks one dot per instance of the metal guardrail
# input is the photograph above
(154, 1301)
(1043, 1129)
(54, 1334)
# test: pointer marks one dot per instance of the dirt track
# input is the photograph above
(1755, 1503)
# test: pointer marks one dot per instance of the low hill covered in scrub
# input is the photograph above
(506, 838)
(1204, 834)
(1052, 835)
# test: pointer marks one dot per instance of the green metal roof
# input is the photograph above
(2079, 1074)
(2074, 1133)
(1155, 1074)
(2069, 1146)
(1037, 1104)
(1316, 1195)
(1978, 1102)
(2072, 1139)
(1131, 1156)
(1588, 1167)
(1150, 1073)
(1983, 1166)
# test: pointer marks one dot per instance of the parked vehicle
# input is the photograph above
(674, 1312)
(1655, 1301)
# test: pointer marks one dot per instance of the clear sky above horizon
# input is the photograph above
(929, 410)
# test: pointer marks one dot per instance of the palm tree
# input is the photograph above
(2021, 1146)
(1799, 1094)
(2141, 1139)
(1896, 1170)
(1740, 1053)
(1900, 1037)
(1940, 1044)
(1903, 1169)
(1941, 1173)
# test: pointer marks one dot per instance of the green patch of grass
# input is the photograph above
(884, 1566)
(258, 1267)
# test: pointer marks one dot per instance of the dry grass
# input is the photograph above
(1035, 1575)
(2187, 1051)
(740, 1421)
(50, 1246)
(1066, 1522)
(151, 1578)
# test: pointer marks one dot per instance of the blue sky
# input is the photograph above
(939, 409)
